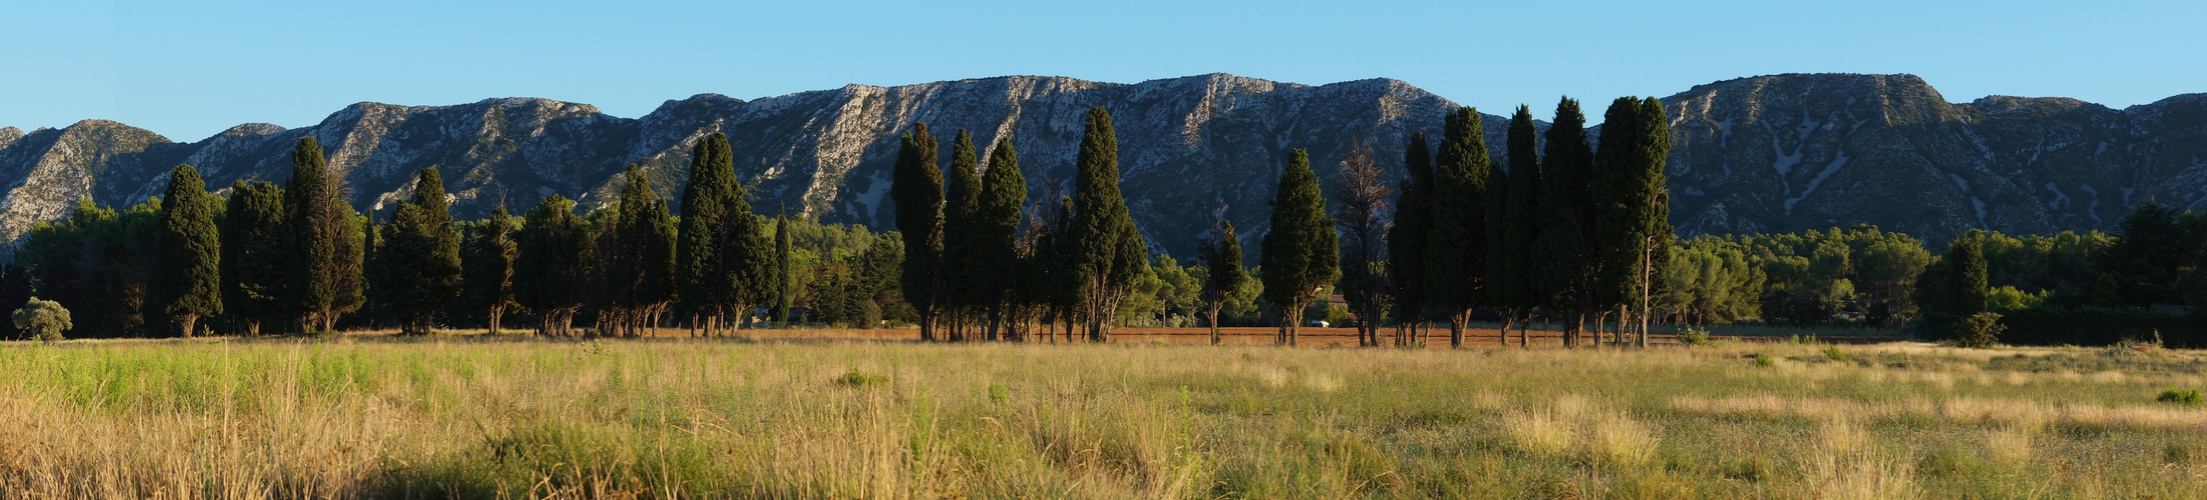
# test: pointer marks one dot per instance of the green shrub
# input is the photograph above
(42, 320)
(855, 378)
(1979, 331)
(2180, 396)
(1832, 353)
(1694, 335)
(1764, 360)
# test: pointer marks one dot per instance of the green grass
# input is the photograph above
(485, 418)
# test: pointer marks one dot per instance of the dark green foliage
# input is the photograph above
(996, 258)
(187, 269)
(785, 286)
(1224, 275)
(1980, 330)
(1301, 254)
(641, 267)
(1108, 254)
(1957, 284)
(96, 262)
(1633, 231)
(916, 186)
(1565, 268)
(418, 257)
(2187, 397)
(15, 292)
(1456, 246)
(1406, 238)
(961, 202)
(722, 255)
(325, 248)
(42, 320)
(549, 276)
(2144, 260)
(1520, 230)
(487, 264)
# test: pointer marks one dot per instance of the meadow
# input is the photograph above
(516, 417)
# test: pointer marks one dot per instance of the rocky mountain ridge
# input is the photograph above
(1769, 153)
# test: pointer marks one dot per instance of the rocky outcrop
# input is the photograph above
(1771, 153)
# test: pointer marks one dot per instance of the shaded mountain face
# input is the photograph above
(1776, 153)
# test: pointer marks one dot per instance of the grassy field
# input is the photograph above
(470, 417)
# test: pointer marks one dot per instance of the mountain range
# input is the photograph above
(1761, 154)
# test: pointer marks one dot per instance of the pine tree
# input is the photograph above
(325, 244)
(785, 286)
(487, 266)
(916, 186)
(1301, 254)
(1406, 239)
(996, 234)
(1520, 228)
(420, 252)
(1222, 258)
(643, 264)
(961, 201)
(1109, 255)
(1457, 243)
(254, 256)
(2145, 258)
(187, 271)
(549, 276)
(1566, 270)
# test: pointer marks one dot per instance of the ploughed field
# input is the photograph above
(806, 417)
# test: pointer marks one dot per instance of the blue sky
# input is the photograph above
(189, 71)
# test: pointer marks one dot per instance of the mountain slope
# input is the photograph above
(1769, 153)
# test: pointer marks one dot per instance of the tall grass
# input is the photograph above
(460, 417)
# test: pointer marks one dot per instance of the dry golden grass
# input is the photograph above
(372, 417)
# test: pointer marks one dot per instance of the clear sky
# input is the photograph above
(188, 71)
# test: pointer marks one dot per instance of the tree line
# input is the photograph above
(1562, 228)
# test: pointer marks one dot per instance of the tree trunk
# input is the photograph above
(1456, 323)
(188, 321)
(1213, 313)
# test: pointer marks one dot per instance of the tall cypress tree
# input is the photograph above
(916, 186)
(1651, 207)
(1565, 270)
(1109, 254)
(643, 267)
(549, 276)
(1617, 231)
(708, 200)
(785, 284)
(1301, 254)
(1495, 293)
(253, 255)
(325, 243)
(1222, 258)
(996, 232)
(487, 266)
(187, 272)
(1457, 244)
(961, 201)
(1406, 238)
(1520, 229)
(1965, 259)
(422, 253)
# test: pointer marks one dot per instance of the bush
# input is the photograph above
(1694, 335)
(1764, 360)
(42, 320)
(1979, 331)
(2180, 396)
(1833, 353)
(855, 378)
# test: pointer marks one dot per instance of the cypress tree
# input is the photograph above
(643, 266)
(1457, 244)
(785, 286)
(421, 251)
(1966, 267)
(996, 232)
(961, 201)
(187, 271)
(253, 255)
(1521, 230)
(916, 186)
(1496, 279)
(1566, 268)
(1109, 255)
(1301, 254)
(1651, 207)
(487, 266)
(708, 199)
(549, 276)
(325, 245)
(1617, 233)
(1406, 238)
(1222, 258)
